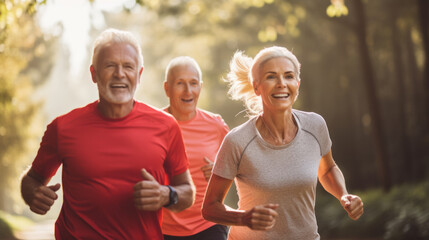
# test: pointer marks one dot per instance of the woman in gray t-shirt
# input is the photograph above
(275, 158)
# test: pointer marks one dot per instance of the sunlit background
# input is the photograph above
(364, 69)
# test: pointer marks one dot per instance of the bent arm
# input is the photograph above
(332, 180)
(213, 207)
(331, 177)
(29, 183)
(261, 217)
(36, 194)
(185, 189)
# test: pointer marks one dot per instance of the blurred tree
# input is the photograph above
(348, 49)
(373, 99)
(423, 6)
(23, 47)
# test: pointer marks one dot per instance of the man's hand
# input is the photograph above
(43, 198)
(149, 195)
(262, 217)
(353, 205)
(207, 169)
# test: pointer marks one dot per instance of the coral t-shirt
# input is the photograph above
(102, 160)
(203, 136)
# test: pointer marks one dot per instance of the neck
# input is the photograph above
(181, 116)
(278, 128)
(279, 120)
(115, 111)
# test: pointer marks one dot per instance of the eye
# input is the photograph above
(271, 76)
(289, 76)
(129, 66)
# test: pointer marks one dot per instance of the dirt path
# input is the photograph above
(39, 231)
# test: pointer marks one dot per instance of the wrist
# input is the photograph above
(172, 197)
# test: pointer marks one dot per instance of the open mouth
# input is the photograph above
(281, 95)
(187, 100)
(118, 85)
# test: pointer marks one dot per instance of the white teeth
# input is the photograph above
(118, 85)
(281, 95)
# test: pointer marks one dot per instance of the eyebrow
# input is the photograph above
(270, 72)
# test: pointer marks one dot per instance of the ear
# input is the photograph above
(93, 74)
(140, 74)
(166, 89)
(255, 88)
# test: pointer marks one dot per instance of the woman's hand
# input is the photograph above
(353, 205)
(262, 217)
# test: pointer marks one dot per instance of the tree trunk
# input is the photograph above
(370, 86)
(423, 6)
(406, 160)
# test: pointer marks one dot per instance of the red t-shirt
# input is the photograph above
(203, 136)
(102, 160)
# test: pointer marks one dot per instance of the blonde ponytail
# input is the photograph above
(240, 83)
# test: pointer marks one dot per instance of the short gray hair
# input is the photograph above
(183, 61)
(112, 35)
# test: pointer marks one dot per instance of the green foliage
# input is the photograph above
(402, 213)
(10, 224)
(5, 230)
(20, 47)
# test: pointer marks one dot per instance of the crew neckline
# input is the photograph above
(261, 139)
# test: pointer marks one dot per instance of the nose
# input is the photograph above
(282, 82)
(187, 88)
(119, 72)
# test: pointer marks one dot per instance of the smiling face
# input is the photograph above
(277, 84)
(183, 87)
(116, 73)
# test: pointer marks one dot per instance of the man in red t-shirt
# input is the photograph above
(118, 156)
(203, 133)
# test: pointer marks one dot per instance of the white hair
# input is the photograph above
(244, 71)
(183, 61)
(116, 36)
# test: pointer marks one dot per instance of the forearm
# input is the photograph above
(29, 183)
(222, 214)
(333, 182)
(186, 197)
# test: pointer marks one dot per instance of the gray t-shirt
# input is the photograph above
(285, 174)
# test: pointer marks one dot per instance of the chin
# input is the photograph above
(119, 99)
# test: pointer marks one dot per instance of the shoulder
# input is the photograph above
(309, 120)
(77, 113)
(243, 133)
(210, 117)
(154, 113)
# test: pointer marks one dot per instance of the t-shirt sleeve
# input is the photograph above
(227, 159)
(325, 141)
(224, 129)
(176, 161)
(47, 160)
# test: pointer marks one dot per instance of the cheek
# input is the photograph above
(197, 92)
(176, 92)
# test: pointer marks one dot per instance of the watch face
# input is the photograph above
(173, 196)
